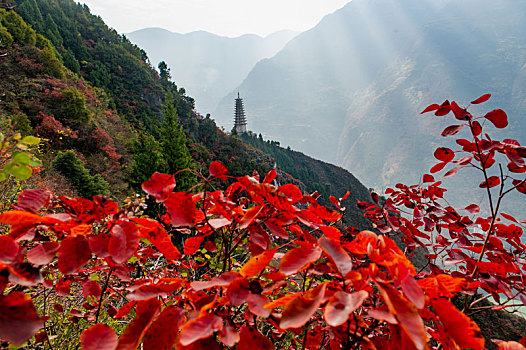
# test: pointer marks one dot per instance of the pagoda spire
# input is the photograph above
(240, 120)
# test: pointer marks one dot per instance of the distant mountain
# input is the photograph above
(349, 90)
(208, 66)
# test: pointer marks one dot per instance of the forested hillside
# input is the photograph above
(240, 251)
(106, 112)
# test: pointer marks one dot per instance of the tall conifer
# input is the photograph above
(173, 144)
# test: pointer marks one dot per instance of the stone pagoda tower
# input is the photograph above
(240, 120)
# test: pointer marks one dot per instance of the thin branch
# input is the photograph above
(102, 295)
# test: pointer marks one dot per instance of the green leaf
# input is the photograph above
(30, 140)
(20, 172)
(35, 162)
(21, 158)
(3, 175)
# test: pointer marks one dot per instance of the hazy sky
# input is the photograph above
(222, 17)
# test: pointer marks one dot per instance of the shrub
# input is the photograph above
(69, 165)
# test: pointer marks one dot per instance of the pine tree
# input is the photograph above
(147, 158)
(173, 144)
(164, 71)
(72, 167)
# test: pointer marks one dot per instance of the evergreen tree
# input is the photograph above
(146, 159)
(69, 165)
(164, 71)
(51, 31)
(173, 144)
(30, 10)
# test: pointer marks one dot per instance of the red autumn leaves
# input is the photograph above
(262, 266)
(482, 151)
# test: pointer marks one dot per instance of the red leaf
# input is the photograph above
(463, 160)
(300, 309)
(498, 117)
(442, 285)
(159, 186)
(238, 291)
(135, 330)
(200, 328)
(229, 336)
(162, 334)
(520, 186)
(105, 205)
(161, 240)
(181, 208)
(33, 200)
(452, 172)
(149, 291)
(217, 169)
(292, 192)
(24, 274)
(481, 99)
(361, 243)
(428, 178)
(460, 327)
(406, 314)
(43, 253)
(492, 182)
(444, 154)
(443, 109)
(8, 249)
(125, 309)
(91, 289)
(99, 337)
(331, 232)
(210, 246)
(473, 209)
(257, 263)
(99, 245)
(123, 242)
(297, 258)
(476, 128)
(224, 280)
(23, 218)
(252, 339)
(270, 176)
(256, 305)
(460, 113)
(276, 229)
(192, 244)
(410, 287)
(73, 254)
(337, 255)
(514, 156)
(430, 108)
(19, 319)
(509, 217)
(452, 130)
(250, 216)
(341, 305)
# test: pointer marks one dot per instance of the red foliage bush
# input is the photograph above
(52, 130)
(258, 265)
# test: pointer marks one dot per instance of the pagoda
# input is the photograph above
(240, 120)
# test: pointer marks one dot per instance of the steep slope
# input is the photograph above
(42, 97)
(349, 90)
(118, 109)
(327, 179)
(207, 65)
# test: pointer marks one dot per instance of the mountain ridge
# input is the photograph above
(208, 65)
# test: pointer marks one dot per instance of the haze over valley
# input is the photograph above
(349, 91)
